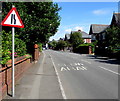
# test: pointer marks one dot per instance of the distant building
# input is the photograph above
(85, 36)
(97, 31)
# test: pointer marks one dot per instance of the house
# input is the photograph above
(115, 20)
(85, 36)
(97, 32)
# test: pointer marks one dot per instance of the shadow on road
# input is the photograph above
(104, 59)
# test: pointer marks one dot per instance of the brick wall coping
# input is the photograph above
(17, 61)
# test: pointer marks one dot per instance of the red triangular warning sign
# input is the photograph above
(13, 19)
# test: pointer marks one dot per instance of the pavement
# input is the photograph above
(38, 82)
(65, 75)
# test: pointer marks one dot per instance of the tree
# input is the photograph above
(113, 39)
(76, 39)
(61, 45)
(41, 20)
(52, 44)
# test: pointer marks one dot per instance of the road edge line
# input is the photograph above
(60, 83)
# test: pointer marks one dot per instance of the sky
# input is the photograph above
(80, 15)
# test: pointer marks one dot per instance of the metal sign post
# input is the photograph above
(13, 51)
(13, 68)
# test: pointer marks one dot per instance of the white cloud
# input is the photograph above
(78, 28)
(58, 31)
(101, 12)
(68, 30)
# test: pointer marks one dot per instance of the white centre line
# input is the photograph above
(109, 70)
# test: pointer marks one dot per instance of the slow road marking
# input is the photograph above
(77, 68)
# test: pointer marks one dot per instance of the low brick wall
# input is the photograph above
(21, 65)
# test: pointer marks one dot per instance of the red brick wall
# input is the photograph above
(6, 73)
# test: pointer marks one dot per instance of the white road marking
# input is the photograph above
(60, 83)
(79, 64)
(68, 68)
(86, 61)
(84, 68)
(109, 70)
(79, 68)
(73, 68)
(62, 68)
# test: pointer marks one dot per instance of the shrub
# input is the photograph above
(88, 44)
(40, 47)
(76, 39)
(20, 47)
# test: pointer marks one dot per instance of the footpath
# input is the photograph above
(39, 82)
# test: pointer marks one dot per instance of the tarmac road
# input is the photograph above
(85, 76)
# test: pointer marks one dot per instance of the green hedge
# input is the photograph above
(87, 44)
(20, 47)
(40, 47)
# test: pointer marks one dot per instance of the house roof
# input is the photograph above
(116, 17)
(84, 34)
(97, 28)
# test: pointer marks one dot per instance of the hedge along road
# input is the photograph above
(85, 77)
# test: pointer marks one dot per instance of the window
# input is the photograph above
(103, 35)
(93, 37)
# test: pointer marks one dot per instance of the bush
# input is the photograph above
(88, 44)
(40, 47)
(61, 45)
(20, 47)
(76, 39)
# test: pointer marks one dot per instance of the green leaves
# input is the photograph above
(20, 47)
(39, 18)
(76, 39)
(113, 39)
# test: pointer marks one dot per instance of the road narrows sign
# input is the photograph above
(13, 19)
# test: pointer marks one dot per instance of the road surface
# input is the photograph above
(85, 76)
